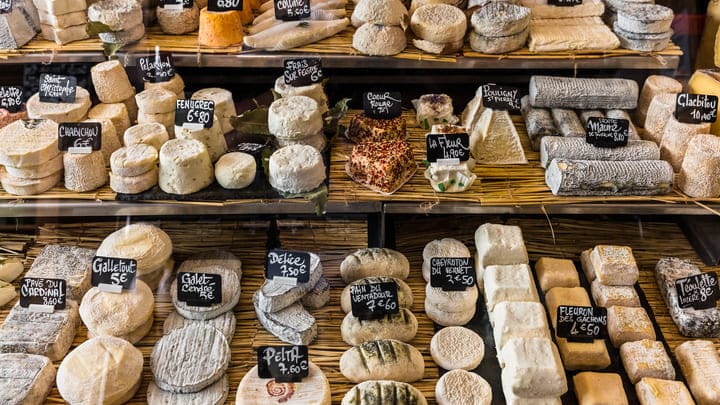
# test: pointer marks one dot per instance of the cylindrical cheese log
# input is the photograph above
(296, 169)
(185, 166)
(654, 85)
(294, 117)
(587, 94)
(707, 82)
(135, 184)
(133, 160)
(568, 122)
(175, 84)
(660, 111)
(110, 142)
(165, 119)
(213, 138)
(538, 122)
(555, 147)
(235, 170)
(441, 23)
(149, 133)
(111, 83)
(28, 143)
(156, 100)
(314, 91)
(676, 137)
(700, 170)
(116, 112)
(594, 177)
(178, 21)
(219, 29)
(224, 104)
(60, 112)
(84, 171)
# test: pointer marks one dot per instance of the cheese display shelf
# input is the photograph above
(332, 241)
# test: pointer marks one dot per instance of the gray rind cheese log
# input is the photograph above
(567, 122)
(585, 115)
(292, 325)
(46, 334)
(623, 115)
(70, 263)
(538, 122)
(19, 26)
(600, 178)
(319, 296)
(25, 379)
(695, 323)
(401, 326)
(584, 94)
(190, 359)
(215, 394)
(274, 295)
(225, 323)
(555, 147)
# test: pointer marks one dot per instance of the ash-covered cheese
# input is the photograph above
(70, 263)
(25, 378)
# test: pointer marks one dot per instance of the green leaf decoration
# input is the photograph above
(93, 28)
(110, 49)
(252, 122)
(275, 94)
(265, 158)
(334, 115)
(317, 196)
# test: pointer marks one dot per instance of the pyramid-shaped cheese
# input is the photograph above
(494, 140)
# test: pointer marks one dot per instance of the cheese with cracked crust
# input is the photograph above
(28, 143)
(111, 82)
(296, 169)
(156, 100)
(185, 167)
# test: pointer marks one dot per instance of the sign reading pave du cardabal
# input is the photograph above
(302, 71)
(156, 68)
(79, 137)
(199, 289)
(607, 132)
(452, 273)
(286, 364)
(452, 148)
(374, 300)
(11, 97)
(57, 88)
(292, 10)
(581, 323)
(699, 291)
(45, 294)
(287, 267)
(696, 108)
(500, 97)
(194, 113)
(225, 5)
(382, 104)
(113, 274)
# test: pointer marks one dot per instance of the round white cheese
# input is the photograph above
(296, 169)
(115, 112)
(60, 112)
(20, 186)
(37, 172)
(134, 184)
(112, 314)
(185, 166)
(213, 138)
(314, 91)
(109, 139)
(28, 143)
(313, 390)
(463, 387)
(178, 21)
(235, 170)
(441, 23)
(111, 82)
(224, 104)
(149, 133)
(146, 243)
(156, 100)
(84, 171)
(294, 117)
(133, 160)
(215, 394)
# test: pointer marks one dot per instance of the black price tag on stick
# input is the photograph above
(194, 114)
(374, 300)
(607, 132)
(696, 108)
(113, 274)
(582, 324)
(452, 273)
(302, 71)
(225, 5)
(199, 289)
(6, 6)
(286, 364)
(382, 105)
(699, 291)
(79, 137)
(448, 148)
(11, 97)
(176, 4)
(57, 88)
(292, 10)
(565, 3)
(43, 294)
(500, 97)
(287, 267)
(156, 68)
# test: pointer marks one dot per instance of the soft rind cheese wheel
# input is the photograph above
(230, 294)
(176, 84)
(37, 172)
(146, 243)
(149, 133)
(379, 40)
(219, 29)
(235, 170)
(294, 117)
(111, 314)
(215, 394)
(185, 166)
(84, 171)
(296, 169)
(103, 370)
(440, 23)
(117, 113)
(156, 100)
(133, 160)
(213, 138)
(135, 184)
(111, 82)
(28, 143)
(60, 112)
(463, 387)
(314, 91)
(313, 390)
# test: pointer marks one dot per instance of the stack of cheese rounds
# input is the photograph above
(296, 169)
(60, 112)
(381, 26)
(112, 85)
(84, 171)
(440, 28)
(127, 315)
(224, 105)
(29, 152)
(117, 113)
(157, 105)
(296, 120)
(134, 169)
(219, 29)
(175, 85)
(213, 137)
(149, 133)
(148, 244)
(62, 22)
(315, 91)
(124, 17)
(110, 142)
(179, 20)
(499, 27)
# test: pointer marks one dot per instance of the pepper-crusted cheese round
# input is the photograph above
(60, 112)
(111, 82)
(149, 133)
(133, 160)
(28, 143)
(185, 166)
(156, 100)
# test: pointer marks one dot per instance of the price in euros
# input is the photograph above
(198, 117)
(589, 329)
(381, 304)
(292, 271)
(229, 4)
(459, 279)
(52, 301)
(298, 11)
(293, 368)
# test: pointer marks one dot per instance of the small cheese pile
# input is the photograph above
(134, 169)
(447, 308)
(175, 19)
(381, 26)
(63, 22)
(84, 171)
(499, 27)
(643, 27)
(113, 86)
(315, 91)
(157, 105)
(296, 120)
(123, 17)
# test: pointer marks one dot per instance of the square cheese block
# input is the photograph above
(614, 265)
(599, 389)
(46, 334)
(509, 283)
(574, 296)
(553, 272)
(532, 368)
(610, 295)
(500, 245)
(25, 379)
(646, 358)
(629, 324)
(584, 355)
(64, 35)
(700, 364)
(382, 166)
(512, 399)
(519, 320)
(70, 263)
(59, 7)
(587, 265)
(653, 391)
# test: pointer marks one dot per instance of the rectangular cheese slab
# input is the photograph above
(700, 364)
(25, 379)
(19, 26)
(518, 320)
(547, 35)
(532, 368)
(70, 263)
(509, 283)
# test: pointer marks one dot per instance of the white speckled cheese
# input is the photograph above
(185, 167)
(156, 100)
(294, 117)
(70, 263)
(115, 112)
(313, 390)
(110, 81)
(213, 138)
(103, 370)
(119, 15)
(296, 169)
(508, 283)
(146, 243)
(314, 91)
(149, 133)
(235, 170)
(111, 314)
(28, 143)
(175, 85)
(224, 104)
(60, 112)
(459, 387)
(25, 379)
(84, 171)
(133, 160)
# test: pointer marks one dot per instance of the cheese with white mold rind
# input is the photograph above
(313, 390)
(149, 133)
(111, 314)
(25, 379)
(156, 100)
(296, 169)
(235, 170)
(39, 171)
(133, 160)
(119, 15)
(20, 186)
(111, 83)
(28, 143)
(115, 112)
(60, 112)
(84, 171)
